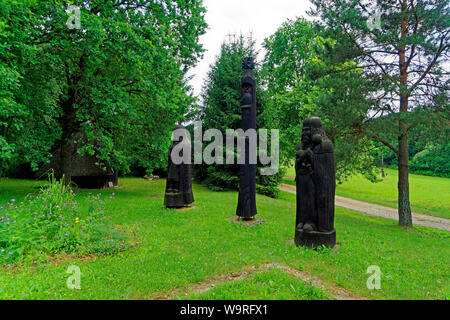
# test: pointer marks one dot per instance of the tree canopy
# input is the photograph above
(118, 79)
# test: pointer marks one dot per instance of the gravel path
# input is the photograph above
(382, 211)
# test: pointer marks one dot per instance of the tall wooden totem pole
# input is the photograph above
(246, 208)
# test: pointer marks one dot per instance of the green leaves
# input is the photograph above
(118, 79)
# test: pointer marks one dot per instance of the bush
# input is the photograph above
(268, 185)
(433, 160)
(51, 222)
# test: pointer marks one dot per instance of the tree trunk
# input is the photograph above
(66, 142)
(404, 207)
(68, 120)
(382, 163)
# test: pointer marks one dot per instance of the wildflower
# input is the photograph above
(34, 262)
(35, 213)
(3, 250)
(43, 215)
(10, 253)
(57, 207)
(60, 216)
(66, 234)
(13, 200)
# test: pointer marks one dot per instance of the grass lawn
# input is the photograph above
(179, 248)
(428, 195)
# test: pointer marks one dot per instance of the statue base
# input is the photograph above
(314, 239)
(182, 208)
(246, 222)
(186, 208)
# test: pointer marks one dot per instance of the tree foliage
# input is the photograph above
(118, 79)
(221, 110)
(310, 71)
(403, 56)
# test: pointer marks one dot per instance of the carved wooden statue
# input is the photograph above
(315, 181)
(179, 177)
(246, 207)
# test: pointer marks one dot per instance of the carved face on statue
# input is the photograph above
(306, 135)
(312, 132)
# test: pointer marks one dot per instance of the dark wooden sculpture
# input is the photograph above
(179, 179)
(246, 207)
(315, 181)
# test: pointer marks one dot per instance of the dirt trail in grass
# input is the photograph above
(208, 284)
(382, 211)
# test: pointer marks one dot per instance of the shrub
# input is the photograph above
(52, 222)
(433, 160)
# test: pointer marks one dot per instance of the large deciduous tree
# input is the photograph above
(403, 45)
(309, 70)
(117, 77)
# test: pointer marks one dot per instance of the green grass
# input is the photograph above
(428, 195)
(269, 285)
(179, 248)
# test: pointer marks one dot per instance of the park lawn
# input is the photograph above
(428, 195)
(180, 248)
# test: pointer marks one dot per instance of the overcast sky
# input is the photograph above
(262, 17)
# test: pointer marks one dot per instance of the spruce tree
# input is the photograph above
(222, 110)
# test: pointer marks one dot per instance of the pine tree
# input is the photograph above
(401, 44)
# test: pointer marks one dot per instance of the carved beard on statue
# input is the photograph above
(306, 137)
